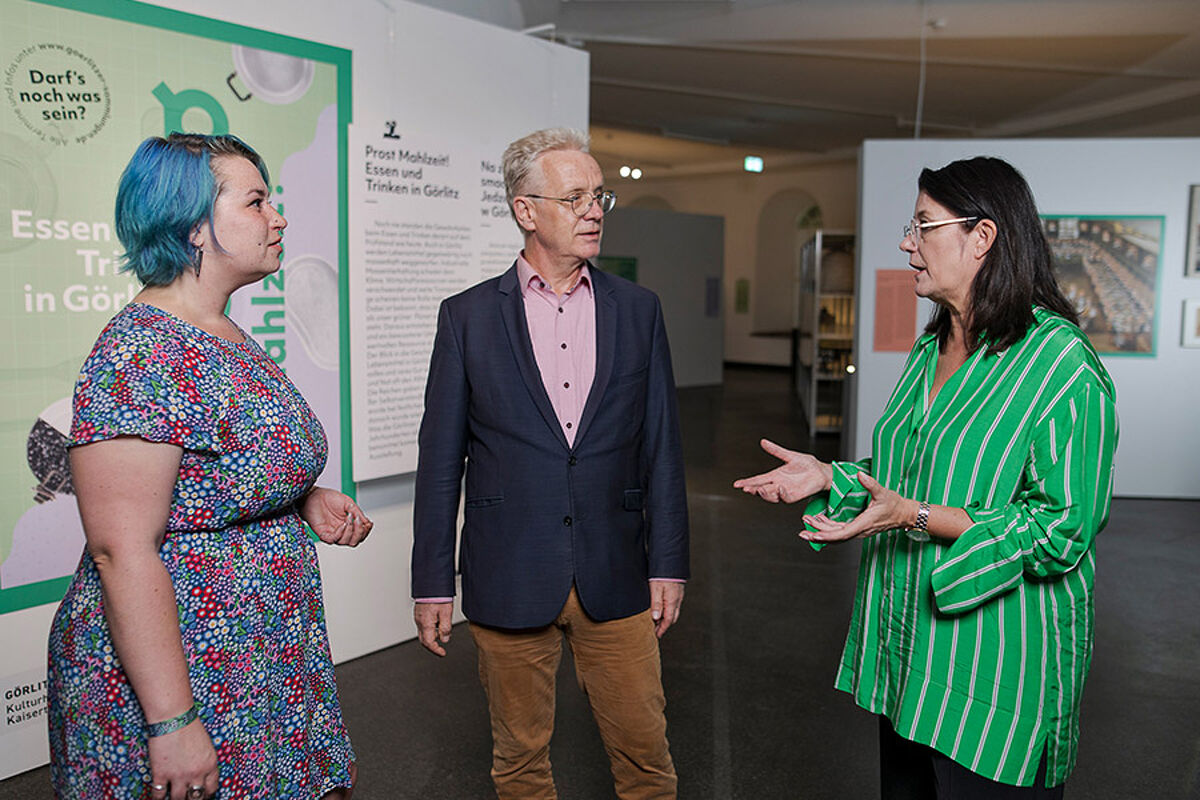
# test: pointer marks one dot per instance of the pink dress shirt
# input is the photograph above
(562, 330)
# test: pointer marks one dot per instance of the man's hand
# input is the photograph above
(433, 625)
(800, 476)
(665, 599)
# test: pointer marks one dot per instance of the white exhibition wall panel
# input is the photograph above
(455, 90)
(1144, 183)
(679, 257)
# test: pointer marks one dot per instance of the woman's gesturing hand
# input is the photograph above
(182, 762)
(800, 476)
(886, 511)
(334, 517)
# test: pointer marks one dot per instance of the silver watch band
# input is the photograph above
(922, 523)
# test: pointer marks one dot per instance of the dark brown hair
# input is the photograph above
(1017, 273)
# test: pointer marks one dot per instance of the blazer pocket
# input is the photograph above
(633, 500)
(484, 502)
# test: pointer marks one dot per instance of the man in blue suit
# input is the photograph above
(552, 385)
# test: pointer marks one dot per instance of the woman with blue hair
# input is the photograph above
(189, 657)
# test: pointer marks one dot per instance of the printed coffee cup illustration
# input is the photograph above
(273, 77)
(311, 303)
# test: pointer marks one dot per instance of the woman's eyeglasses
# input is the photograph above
(915, 229)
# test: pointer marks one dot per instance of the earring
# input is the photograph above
(197, 259)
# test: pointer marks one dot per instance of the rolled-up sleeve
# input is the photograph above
(846, 498)
(1049, 527)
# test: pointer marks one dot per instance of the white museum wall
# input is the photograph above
(740, 198)
(1159, 450)
(425, 65)
(677, 256)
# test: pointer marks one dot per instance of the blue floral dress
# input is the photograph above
(245, 574)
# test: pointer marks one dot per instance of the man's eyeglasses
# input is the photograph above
(915, 229)
(581, 204)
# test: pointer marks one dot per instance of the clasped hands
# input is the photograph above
(802, 475)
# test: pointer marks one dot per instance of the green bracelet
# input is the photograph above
(173, 724)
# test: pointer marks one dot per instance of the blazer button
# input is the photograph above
(567, 521)
(572, 461)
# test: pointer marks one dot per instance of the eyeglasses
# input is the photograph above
(914, 228)
(581, 204)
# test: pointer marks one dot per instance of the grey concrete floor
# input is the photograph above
(749, 668)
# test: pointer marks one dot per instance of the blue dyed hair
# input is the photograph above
(165, 192)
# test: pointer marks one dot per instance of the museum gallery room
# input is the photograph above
(975, 565)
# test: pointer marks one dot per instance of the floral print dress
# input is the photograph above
(245, 573)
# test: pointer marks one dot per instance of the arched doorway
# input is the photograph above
(780, 220)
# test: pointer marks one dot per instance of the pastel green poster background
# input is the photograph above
(82, 84)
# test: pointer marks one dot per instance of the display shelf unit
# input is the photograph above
(824, 338)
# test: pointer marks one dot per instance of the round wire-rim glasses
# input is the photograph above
(582, 203)
(914, 228)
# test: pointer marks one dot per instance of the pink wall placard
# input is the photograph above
(895, 310)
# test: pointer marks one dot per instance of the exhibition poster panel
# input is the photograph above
(84, 83)
(429, 219)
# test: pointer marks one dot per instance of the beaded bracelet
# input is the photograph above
(173, 724)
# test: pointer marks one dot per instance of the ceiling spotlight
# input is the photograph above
(624, 171)
(752, 164)
(851, 369)
(636, 174)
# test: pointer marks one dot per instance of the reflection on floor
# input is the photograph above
(749, 668)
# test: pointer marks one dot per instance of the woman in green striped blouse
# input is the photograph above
(990, 476)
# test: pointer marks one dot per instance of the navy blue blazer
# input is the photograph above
(605, 515)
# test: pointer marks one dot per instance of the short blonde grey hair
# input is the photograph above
(520, 156)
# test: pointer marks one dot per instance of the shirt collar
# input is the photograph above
(526, 275)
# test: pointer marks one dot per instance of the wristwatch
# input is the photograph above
(921, 526)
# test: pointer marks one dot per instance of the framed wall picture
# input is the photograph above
(1191, 267)
(1109, 267)
(1191, 323)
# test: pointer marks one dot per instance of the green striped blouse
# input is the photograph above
(980, 647)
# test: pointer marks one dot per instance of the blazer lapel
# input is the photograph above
(512, 310)
(606, 347)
